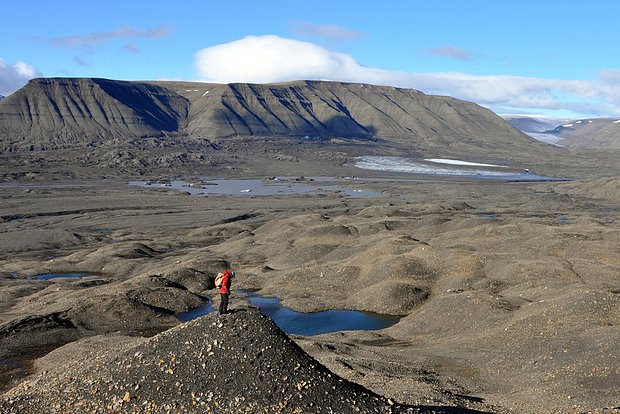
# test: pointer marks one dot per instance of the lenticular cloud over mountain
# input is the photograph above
(265, 59)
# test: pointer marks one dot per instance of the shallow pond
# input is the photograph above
(307, 324)
(317, 323)
(49, 276)
(256, 187)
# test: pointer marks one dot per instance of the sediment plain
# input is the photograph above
(509, 292)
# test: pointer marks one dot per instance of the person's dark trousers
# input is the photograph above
(223, 303)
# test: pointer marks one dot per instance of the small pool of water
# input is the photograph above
(196, 313)
(317, 323)
(487, 215)
(50, 276)
(307, 324)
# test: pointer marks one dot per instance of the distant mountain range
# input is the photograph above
(595, 133)
(599, 133)
(51, 113)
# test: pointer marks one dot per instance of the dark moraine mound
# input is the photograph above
(232, 364)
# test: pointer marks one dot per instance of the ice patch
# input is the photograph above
(205, 93)
(407, 165)
(617, 122)
(459, 162)
(567, 125)
(578, 122)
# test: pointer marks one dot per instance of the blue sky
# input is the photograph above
(536, 57)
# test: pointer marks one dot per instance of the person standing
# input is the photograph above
(225, 291)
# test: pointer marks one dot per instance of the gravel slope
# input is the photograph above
(235, 363)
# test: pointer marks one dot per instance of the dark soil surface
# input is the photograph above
(509, 296)
(233, 363)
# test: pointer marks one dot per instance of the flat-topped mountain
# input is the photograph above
(58, 112)
(316, 108)
(61, 113)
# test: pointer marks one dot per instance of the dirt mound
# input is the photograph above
(391, 297)
(237, 363)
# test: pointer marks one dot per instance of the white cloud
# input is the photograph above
(263, 59)
(13, 77)
(269, 59)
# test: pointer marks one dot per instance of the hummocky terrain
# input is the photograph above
(509, 293)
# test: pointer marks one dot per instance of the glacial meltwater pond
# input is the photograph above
(257, 187)
(307, 324)
(50, 276)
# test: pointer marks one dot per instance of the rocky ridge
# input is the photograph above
(197, 367)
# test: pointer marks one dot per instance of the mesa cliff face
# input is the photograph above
(60, 113)
(337, 109)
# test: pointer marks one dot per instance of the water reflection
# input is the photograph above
(307, 324)
(49, 276)
(317, 323)
(257, 187)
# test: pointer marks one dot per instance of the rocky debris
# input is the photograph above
(235, 363)
(65, 312)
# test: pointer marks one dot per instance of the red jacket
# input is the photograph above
(225, 288)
